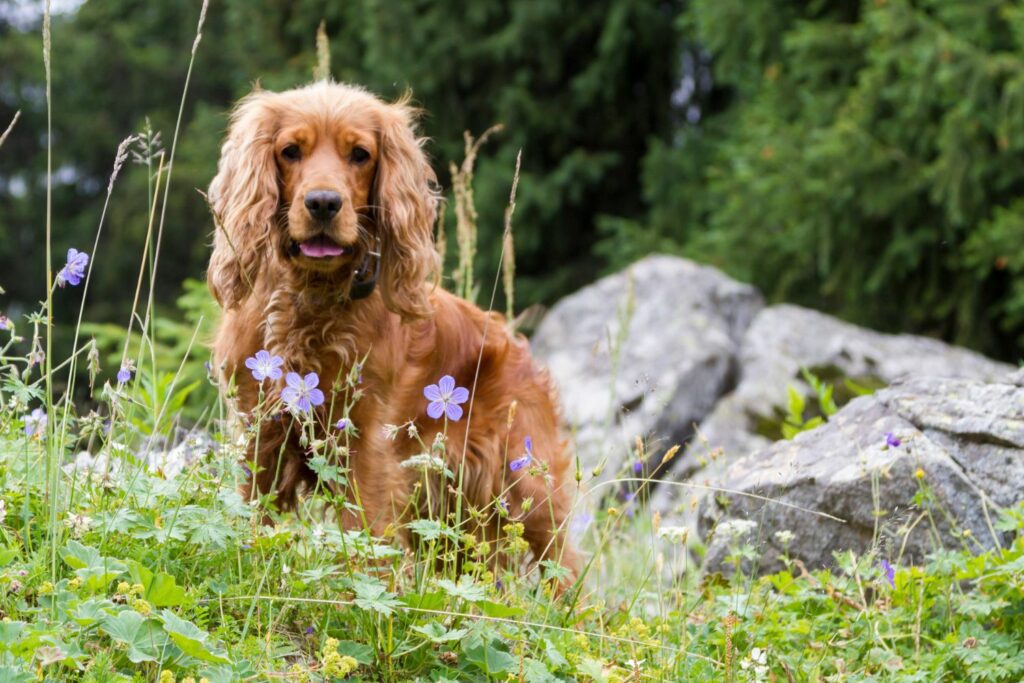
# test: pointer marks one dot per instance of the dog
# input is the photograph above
(324, 205)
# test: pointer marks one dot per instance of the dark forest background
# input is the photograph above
(863, 158)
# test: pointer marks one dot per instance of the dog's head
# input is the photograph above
(313, 179)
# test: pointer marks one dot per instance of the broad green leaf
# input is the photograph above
(144, 637)
(372, 595)
(191, 639)
(467, 588)
(437, 633)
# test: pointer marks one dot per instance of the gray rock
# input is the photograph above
(645, 352)
(840, 487)
(783, 339)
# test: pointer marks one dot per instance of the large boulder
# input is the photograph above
(782, 341)
(854, 483)
(646, 352)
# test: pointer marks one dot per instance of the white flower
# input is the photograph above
(78, 524)
(784, 537)
(423, 462)
(3, 511)
(676, 534)
(735, 527)
(757, 661)
(318, 535)
(285, 569)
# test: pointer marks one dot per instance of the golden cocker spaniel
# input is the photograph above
(323, 257)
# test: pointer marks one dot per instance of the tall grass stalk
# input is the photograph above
(10, 127)
(52, 481)
(170, 169)
(466, 215)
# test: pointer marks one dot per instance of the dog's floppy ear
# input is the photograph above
(407, 197)
(244, 199)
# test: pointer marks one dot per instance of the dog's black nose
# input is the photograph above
(323, 204)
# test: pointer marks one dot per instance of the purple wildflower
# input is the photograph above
(263, 365)
(891, 441)
(503, 504)
(74, 270)
(638, 466)
(445, 398)
(890, 573)
(124, 374)
(342, 425)
(520, 463)
(498, 585)
(5, 322)
(35, 422)
(309, 630)
(302, 393)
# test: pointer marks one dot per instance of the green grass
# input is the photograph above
(126, 552)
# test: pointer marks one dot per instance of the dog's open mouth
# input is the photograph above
(320, 246)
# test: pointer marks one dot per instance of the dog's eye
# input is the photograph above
(359, 155)
(292, 153)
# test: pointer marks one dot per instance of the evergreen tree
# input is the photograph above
(860, 157)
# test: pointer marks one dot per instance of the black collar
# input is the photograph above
(365, 279)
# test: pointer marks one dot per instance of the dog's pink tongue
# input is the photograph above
(319, 247)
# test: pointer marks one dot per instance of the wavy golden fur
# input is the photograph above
(309, 182)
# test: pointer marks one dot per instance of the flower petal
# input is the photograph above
(290, 395)
(276, 361)
(435, 409)
(519, 463)
(454, 412)
(316, 397)
(446, 384)
(432, 393)
(529, 445)
(293, 380)
(312, 380)
(460, 395)
(275, 373)
(250, 363)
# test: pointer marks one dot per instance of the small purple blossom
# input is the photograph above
(302, 393)
(891, 441)
(526, 459)
(124, 374)
(498, 585)
(890, 573)
(342, 425)
(638, 466)
(445, 398)
(263, 365)
(35, 422)
(5, 322)
(309, 630)
(74, 270)
(503, 504)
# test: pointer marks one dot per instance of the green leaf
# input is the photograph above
(467, 588)
(144, 637)
(325, 470)
(361, 652)
(191, 639)
(6, 555)
(371, 595)
(79, 556)
(592, 668)
(499, 610)
(490, 657)
(10, 632)
(437, 633)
